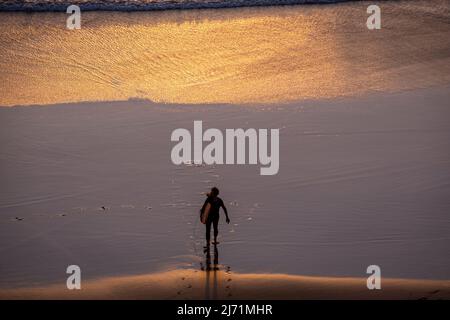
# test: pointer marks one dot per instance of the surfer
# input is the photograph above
(209, 214)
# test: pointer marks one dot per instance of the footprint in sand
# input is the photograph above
(434, 292)
(430, 294)
(18, 219)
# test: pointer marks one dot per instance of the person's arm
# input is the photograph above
(226, 212)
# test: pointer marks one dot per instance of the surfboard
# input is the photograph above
(205, 213)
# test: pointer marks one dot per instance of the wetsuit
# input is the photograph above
(213, 217)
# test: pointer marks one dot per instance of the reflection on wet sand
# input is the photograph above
(216, 279)
(208, 268)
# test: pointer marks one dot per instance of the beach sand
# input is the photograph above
(199, 285)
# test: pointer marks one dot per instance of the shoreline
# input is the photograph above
(368, 97)
(222, 285)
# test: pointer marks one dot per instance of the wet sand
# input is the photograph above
(196, 284)
(362, 181)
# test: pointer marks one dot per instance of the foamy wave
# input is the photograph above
(146, 5)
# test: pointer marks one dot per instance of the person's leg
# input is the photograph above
(216, 229)
(208, 231)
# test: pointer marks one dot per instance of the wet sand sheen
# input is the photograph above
(361, 182)
(194, 284)
(252, 55)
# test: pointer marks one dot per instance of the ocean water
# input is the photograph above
(245, 55)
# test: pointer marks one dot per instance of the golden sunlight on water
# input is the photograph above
(257, 55)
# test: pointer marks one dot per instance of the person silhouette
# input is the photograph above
(213, 216)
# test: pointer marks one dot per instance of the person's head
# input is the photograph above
(214, 192)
